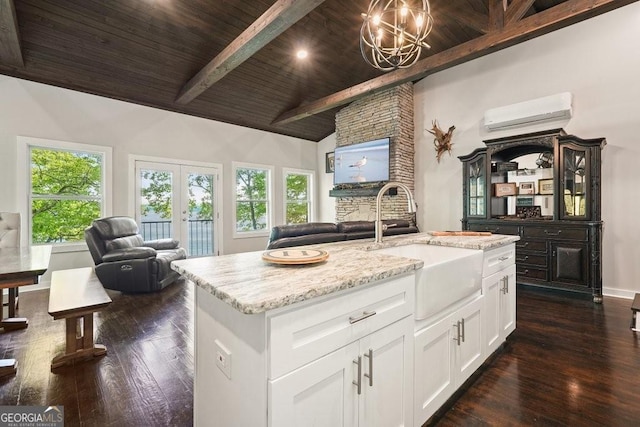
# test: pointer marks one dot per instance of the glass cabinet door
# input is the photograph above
(477, 183)
(574, 196)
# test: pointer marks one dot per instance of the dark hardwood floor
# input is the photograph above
(570, 362)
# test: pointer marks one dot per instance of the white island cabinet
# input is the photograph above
(346, 360)
(337, 344)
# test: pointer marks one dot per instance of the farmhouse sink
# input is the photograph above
(449, 275)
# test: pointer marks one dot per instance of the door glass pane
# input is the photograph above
(200, 230)
(574, 184)
(156, 204)
(476, 188)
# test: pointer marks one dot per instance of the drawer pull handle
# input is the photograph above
(523, 246)
(549, 233)
(358, 382)
(522, 259)
(364, 315)
(505, 285)
(503, 258)
(462, 322)
(369, 355)
(493, 230)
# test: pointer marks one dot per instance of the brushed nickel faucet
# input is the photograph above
(378, 224)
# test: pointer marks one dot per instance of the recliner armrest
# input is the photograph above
(129, 253)
(161, 244)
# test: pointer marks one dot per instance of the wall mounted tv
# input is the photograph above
(363, 162)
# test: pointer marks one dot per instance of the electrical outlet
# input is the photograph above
(223, 358)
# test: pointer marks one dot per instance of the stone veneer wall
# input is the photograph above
(387, 113)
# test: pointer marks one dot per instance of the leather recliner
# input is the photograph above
(125, 262)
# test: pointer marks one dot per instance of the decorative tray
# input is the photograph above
(292, 256)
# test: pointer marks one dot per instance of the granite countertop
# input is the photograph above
(251, 285)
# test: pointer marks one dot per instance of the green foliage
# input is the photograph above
(251, 193)
(66, 189)
(157, 193)
(200, 206)
(297, 198)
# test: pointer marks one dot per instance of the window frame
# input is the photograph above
(25, 144)
(269, 169)
(310, 192)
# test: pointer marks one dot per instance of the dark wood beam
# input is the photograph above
(496, 14)
(517, 10)
(557, 17)
(282, 15)
(465, 16)
(10, 52)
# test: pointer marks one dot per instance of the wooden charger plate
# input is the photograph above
(295, 256)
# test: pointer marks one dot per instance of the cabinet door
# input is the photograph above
(491, 317)
(507, 303)
(387, 380)
(569, 263)
(469, 347)
(434, 382)
(575, 193)
(320, 393)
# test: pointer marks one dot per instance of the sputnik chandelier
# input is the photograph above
(393, 32)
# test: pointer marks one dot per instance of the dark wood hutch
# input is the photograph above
(556, 212)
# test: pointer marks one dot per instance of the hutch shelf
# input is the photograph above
(554, 206)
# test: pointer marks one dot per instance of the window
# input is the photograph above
(298, 187)
(66, 189)
(253, 199)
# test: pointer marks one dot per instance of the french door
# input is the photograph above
(181, 202)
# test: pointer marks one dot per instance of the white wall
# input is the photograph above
(597, 60)
(326, 204)
(42, 111)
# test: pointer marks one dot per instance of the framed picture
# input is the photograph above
(526, 188)
(504, 189)
(545, 186)
(330, 162)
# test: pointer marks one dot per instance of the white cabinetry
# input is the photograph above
(447, 352)
(365, 383)
(499, 289)
(341, 360)
(500, 307)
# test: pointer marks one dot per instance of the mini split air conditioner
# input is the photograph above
(552, 107)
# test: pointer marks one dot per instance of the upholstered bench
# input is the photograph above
(74, 296)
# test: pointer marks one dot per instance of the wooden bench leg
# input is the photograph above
(79, 345)
(11, 322)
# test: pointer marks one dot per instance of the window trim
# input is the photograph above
(24, 185)
(270, 204)
(310, 191)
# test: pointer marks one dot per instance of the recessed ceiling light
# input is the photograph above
(301, 54)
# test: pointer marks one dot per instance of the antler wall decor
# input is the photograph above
(442, 140)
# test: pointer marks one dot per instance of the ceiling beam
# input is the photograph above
(554, 18)
(10, 52)
(496, 14)
(465, 16)
(278, 18)
(517, 10)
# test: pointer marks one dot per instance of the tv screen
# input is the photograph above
(363, 162)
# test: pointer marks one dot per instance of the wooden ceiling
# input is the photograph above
(242, 52)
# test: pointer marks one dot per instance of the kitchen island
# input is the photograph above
(299, 345)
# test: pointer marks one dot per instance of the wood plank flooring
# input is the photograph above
(569, 363)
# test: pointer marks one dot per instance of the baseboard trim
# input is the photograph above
(619, 293)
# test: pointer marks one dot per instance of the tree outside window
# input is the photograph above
(252, 199)
(66, 193)
(298, 199)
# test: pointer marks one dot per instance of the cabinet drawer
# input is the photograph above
(497, 259)
(531, 245)
(523, 272)
(556, 233)
(531, 259)
(299, 336)
(496, 229)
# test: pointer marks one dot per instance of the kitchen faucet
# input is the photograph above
(378, 224)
